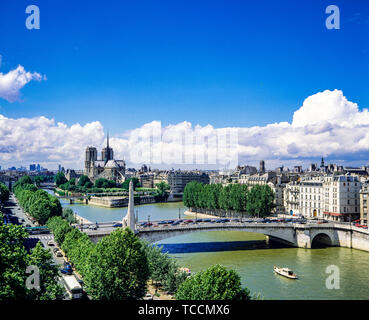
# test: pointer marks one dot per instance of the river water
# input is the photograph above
(252, 258)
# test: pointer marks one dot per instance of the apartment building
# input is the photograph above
(364, 192)
(341, 197)
(311, 197)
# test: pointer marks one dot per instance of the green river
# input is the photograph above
(252, 258)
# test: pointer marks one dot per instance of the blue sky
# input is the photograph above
(228, 63)
(224, 63)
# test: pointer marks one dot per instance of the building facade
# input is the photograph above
(106, 167)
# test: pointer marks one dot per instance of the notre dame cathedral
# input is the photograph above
(107, 167)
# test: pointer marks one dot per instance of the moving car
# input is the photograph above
(117, 225)
(51, 243)
(67, 269)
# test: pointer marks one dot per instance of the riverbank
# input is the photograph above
(82, 220)
(199, 215)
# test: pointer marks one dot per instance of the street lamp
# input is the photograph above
(148, 221)
(179, 213)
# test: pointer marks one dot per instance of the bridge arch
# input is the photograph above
(321, 240)
(284, 235)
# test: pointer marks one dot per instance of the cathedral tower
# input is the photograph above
(107, 152)
(91, 157)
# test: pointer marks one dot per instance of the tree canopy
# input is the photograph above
(118, 267)
(215, 283)
(14, 260)
(258, 200)
(4, 193)
(60, 179)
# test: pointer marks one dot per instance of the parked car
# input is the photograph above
(59, 254)
(162, 222)
(170, 221)
(323, 221)
(51, 243)
(188, 221)
(93, 227)
(175, 223)
(206, 220)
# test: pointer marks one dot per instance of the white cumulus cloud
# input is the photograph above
(327, 124)
(12, 82)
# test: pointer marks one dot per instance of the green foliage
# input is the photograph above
(38, 203)
(164, 270)
(4, 193)
(215, 283)
(13, 264)
(60, 179)
(84, 181)
(59, 228)
(115, 268)
(22, 182)
(105, 183)
(78, 246)
(259, 200)
(118, 267)
(68, 215)
(50, 289)
(136, 183)
(161, 191)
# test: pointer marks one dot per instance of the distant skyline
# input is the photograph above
(295, 90)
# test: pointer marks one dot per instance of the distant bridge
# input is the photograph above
(47, 185)
(293, 234)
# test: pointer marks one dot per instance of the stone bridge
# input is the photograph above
(296, 235)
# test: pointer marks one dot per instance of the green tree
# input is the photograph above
(13, 262)
(215, 283)
(174, 277)
(161, 191)
(260, 200)
(136, 183)
(50, 289)
(68, 214)
(23, 181)
(60, 179)
(59, 227)
(83, 180)
(118, 267)
(4, 193)
(158, 263)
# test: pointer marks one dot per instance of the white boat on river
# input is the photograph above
(286, 272)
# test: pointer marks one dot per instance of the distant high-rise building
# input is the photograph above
(32, 167)
(262, 166)
(38, 168)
